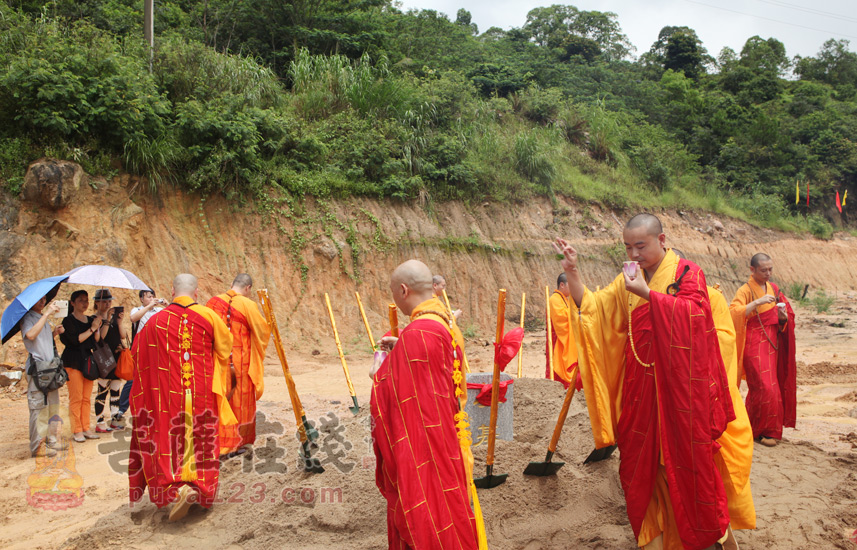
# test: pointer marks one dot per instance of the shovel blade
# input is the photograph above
(600, 454)
(490, 481)
(543, 469)
(356, 408)
(309, 463)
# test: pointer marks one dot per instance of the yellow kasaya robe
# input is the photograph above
(564, 347)
(670, 382)
(250, 334)
(736, 443)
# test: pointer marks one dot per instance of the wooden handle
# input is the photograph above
(339, 346)
(563, 413)
(393, 314)
(548, 325)
(297, 407)
(365, 321)
(521, 349)
(495, 382)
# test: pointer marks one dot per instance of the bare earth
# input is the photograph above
(805, 489)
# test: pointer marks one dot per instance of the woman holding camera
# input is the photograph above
(79, 337)
(112, 333)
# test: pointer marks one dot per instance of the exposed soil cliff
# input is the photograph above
(301, 251)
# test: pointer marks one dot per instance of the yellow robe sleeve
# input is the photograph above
(260, 334)
(222, 349)
(736, 443)
(737, 440)
(565, 349)
(600, 327)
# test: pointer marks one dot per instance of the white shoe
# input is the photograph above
(79, 437)
(91, 435)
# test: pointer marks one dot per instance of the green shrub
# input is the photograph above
(794, 291)
(14, 155)
(819, 227)
(822, 301)
(531, 159)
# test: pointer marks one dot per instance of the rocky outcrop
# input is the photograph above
(52, 183)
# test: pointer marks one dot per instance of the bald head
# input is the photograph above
(758, 258)
(438, 284)
(411, 285)
(185, 284)
(242, 284)
(650, 222)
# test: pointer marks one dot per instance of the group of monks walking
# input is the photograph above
(660, 358)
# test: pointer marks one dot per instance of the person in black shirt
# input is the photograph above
(79, 338)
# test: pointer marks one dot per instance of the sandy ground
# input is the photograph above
(804, 489)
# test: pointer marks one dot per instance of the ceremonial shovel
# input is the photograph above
(307, 433)
(356, 408)
(490, 480)
(548, 468)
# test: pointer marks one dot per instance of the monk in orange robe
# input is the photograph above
(250, 335)
(421, 469)
(766, 352)
(564, 348)
(178, 402)
(656, 386)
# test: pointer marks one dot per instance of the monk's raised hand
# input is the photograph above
(637, 285)
(387, 343)
(568, 253)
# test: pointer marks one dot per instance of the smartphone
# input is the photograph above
(63, 311)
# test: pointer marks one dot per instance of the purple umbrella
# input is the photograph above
(104, 276)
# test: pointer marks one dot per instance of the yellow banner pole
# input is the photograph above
(455, 324)
(521, 350)
(306, 432)
(365, 321)
(356, 408)
(550, 336)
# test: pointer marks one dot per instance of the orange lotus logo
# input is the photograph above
(54, 483)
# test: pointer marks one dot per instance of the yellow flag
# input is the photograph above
(797, 192)
(845, 196)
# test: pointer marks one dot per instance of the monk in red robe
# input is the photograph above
(765, 336)
(655, 385)
(178, 402)
(421, 469)
(250, 335)
(564, 352)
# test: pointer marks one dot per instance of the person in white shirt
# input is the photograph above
(149, 307)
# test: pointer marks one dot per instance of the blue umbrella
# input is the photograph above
(15, 311)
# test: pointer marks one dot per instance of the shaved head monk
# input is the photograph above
(424, 465)
(656, 386)
(178, 401)
(765, 327)
(250, 335)
(438, 283)
(564, 351)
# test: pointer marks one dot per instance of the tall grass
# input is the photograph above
(324, 85)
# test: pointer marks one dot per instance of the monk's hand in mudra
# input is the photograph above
(566, 254)
(637, 284)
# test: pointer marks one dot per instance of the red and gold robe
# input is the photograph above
(662, 396)
(421, 469)
(766, 358)
(736, 444)
(181, 358)
(564, 348)
(250, 335)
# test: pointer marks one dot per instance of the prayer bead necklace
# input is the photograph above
(631, 337)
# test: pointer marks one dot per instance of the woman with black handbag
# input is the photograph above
(79, 338)
(106, 354)
(39, 342)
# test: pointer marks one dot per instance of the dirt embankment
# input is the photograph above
(338, 247)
